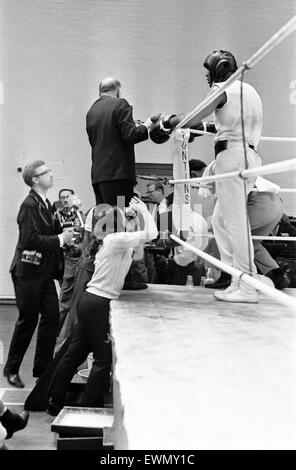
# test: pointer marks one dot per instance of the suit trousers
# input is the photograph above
(116, 193)
(264, 210)
(34, 296)
(82, 278)
(91, 334)
(67, 288)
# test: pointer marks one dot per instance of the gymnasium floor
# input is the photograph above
(37, 434)
(191, 373)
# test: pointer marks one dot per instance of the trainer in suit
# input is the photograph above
(112, 134)
(32, 271)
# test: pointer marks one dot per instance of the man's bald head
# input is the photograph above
(109, 85)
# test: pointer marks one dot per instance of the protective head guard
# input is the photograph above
(220, 64)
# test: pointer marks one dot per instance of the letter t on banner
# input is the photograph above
(181, 205)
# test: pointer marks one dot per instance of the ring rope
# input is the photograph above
(278, 167)
(257, 237)
(271, 139)
(287, 190)
(276, 39)
(273, 293)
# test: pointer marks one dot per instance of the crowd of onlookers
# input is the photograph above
(160, 263)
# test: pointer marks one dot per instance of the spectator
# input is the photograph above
(70, 215)
(33, 270)
(120, 239)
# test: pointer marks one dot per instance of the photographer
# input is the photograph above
(69, 215)
(33, 269)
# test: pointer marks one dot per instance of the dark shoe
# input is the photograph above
(14, 421)
(37, 375)
(279, 277)
(133, 286)
(223, 282)
(52, 408)
(13, 379)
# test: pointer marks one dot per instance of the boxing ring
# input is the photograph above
(194, 373)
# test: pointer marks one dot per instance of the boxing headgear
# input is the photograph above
(221, 65)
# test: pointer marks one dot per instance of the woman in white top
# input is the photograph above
(121, 243)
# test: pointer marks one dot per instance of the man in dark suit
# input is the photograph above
(112, 134)
(33, 270)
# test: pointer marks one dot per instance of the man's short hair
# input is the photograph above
(109, 84)
(196, 165)
(29, 171)
(157, 186)
(65, 189)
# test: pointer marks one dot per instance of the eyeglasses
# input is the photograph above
(150, 192)
(44, 173)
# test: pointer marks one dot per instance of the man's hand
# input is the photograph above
(151, 120)
(138, 205)
(67, 235)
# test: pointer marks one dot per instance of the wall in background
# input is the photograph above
(53, 54)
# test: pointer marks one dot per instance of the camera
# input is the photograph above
(31, 257)
(130, 213)
(69, 216)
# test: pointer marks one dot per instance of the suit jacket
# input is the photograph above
(37, 231)
(112, 134)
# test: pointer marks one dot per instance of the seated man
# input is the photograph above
(284, 252)
(156, 254)
(184, 261)
(283, 249)
(265, 209)
(179, 262)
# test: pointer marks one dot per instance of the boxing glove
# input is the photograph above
(200, 126)
(151, 120)
(157, 135)
(163, 127)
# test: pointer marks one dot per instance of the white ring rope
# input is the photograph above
(249, 280)
(287, 190)
(257, 237)
(276, 39)
(270, 139)
(278, 167)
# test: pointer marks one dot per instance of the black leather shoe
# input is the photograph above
(139, 286)
(13, 379)
(37, 375)
(14, 421)
(222, 283)
(279, 277)
(52, 408)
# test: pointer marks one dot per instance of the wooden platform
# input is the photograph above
(194, 373)
(191, 373)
